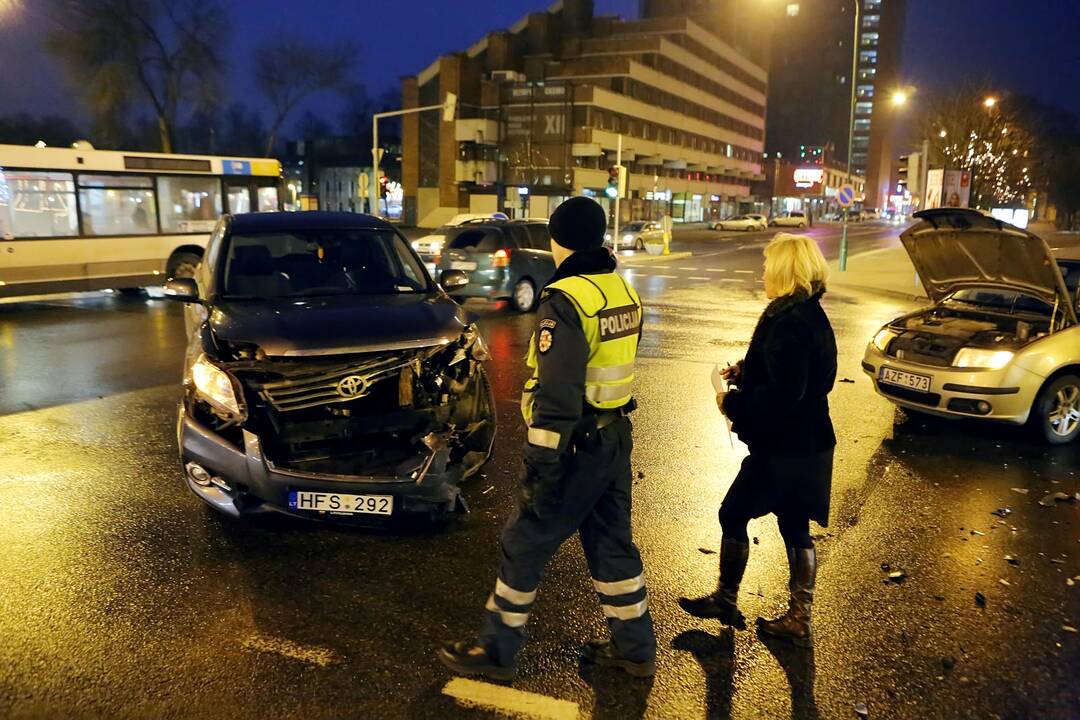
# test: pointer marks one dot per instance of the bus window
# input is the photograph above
(117, 205)
(37, 204)
(239, 199)
(189, 204)
(268, 199)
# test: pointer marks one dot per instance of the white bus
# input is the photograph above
(84, 219)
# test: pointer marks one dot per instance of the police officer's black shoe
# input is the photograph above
(466, 658)
(604, 652)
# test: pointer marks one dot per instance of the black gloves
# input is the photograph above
(539, 487)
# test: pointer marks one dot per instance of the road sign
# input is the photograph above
(845, 195)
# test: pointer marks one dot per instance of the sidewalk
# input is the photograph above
(887, 271)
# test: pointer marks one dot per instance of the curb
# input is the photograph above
(634, 260)
(842, 287)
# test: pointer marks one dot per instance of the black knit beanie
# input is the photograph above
(578, 224)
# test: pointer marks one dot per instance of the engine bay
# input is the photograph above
(934, 336)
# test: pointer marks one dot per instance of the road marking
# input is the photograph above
(730, 280)
(691, 269)
(715, 270)
(697, 278)
(745, 272)
(518, 703)
(295, 651)
(668, 277)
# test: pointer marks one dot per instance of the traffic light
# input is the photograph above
(616, 184)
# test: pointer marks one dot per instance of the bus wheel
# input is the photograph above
(182, 265)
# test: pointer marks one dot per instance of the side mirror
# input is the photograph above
(453, 279)
(182, 289)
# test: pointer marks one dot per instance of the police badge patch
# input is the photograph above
(544, 340)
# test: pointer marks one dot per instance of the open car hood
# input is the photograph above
(953, 248)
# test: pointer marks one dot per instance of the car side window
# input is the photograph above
(517, 235)
(478, 240)
(540, 238)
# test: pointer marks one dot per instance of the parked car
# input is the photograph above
(430, 246)
(1001, 340)
(327, 376)
(795, 218)
(635, 235)
(748, 222)
(503, 260)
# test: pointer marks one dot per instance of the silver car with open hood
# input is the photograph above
(1001, 340)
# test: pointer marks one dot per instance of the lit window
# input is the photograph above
(868, 57)
(864, 108)
(869, 39)
(37, 204)
(792, 9)
(864, 90)
(871, 21)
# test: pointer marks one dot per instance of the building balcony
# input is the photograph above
(479, 130)
(590, 142)
(480, 172)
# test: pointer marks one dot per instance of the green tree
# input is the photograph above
(291, 70)
(121, 53)
(988, 138)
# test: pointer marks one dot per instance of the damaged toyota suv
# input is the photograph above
(1001, 340)
(326, 374)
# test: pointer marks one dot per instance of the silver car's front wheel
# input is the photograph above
(1059, 410)
(524, 297)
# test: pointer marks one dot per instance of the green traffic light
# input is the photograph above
(611, 191)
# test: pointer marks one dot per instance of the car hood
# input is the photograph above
(339, 324)
(957, 247)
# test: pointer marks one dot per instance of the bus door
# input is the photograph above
(252, 195)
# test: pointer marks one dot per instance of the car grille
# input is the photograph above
(328, 385)
(921, 398)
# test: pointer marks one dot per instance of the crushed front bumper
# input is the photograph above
(254, 486)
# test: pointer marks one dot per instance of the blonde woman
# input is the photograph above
(779, 407)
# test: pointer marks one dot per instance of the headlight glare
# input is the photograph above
(883, 338)
(214, 385)
(982, 358)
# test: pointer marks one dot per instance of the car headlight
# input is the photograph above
(627, 238)
(883, 338)
(415, 245)
(607, 237)
(981, 358)
(214, 385)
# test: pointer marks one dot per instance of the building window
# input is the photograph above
(793, 9)
(862, 124)
(867, 73)
(869, 39)
(37, 204)
(864, 108)
(117, 205)
(871, 21)
(864, 91)
(868, 57)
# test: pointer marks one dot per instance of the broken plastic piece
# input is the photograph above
(980, 599)
(1003, 581)
(1068, 628)
(1022, 491)
(1012, 560)
(1053, 498)
(861, 710)
(1002, 511)
(897, 576)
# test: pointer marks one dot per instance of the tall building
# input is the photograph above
(810, 84)
(806, 47)
(543, 104)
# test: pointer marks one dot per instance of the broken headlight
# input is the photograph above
(214, 386)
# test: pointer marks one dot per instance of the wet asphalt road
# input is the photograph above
(121, 596)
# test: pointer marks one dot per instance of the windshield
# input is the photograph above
(1000, 299)
(634, 227)
(313, 263)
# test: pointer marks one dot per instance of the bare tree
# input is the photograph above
(118, 52)
(973, 129)
(289, 71)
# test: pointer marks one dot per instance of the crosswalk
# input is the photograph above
(689, 274)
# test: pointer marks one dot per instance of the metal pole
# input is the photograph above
(373, 192)
(618, 193)
(851, 133)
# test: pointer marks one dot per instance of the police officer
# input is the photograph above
(577, 458)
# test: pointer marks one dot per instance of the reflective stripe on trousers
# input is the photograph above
(615, 598)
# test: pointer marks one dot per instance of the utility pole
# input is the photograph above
(851, 132)
(449, 108)
(618, 187)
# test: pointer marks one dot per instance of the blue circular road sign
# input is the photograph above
(845, 195)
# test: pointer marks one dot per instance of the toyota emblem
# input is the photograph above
(351, 386)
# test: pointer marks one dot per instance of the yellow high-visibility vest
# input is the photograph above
(610, 313)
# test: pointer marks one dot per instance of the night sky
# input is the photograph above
(1027, 46)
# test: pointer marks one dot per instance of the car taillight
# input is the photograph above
(501, 258)
(438, 258)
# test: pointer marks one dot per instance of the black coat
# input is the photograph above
(780, 409)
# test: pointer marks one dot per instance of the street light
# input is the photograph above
(851, 128)
(990, 102)
(899, 98)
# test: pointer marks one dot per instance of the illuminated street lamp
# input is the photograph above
(899, 98)
(990, 102)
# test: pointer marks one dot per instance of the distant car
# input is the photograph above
(794, 218)
(634, 235)
(326, 374)
(748, 222)
(1001, 340)
(430, 246)
(503, 260)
